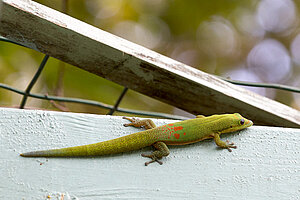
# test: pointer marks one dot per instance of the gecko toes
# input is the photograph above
(230, 146)
(154, 159)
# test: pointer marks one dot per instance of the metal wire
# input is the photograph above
(265, 85)
(93, 103)
(33, 81)
(118, 102)
(10, 41)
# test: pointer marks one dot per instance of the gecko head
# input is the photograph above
(234, 122)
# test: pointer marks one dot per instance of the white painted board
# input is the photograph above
(266, 164)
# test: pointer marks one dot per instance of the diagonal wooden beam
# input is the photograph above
(111, 57)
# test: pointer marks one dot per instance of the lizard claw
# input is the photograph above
(132, 120)
(230, 145)
(154, 159)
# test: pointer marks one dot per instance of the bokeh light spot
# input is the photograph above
(270, 61)
(276, 15)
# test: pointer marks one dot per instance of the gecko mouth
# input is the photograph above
(248, 123)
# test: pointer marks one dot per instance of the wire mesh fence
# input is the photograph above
(114, 108)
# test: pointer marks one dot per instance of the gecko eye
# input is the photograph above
(242, 122)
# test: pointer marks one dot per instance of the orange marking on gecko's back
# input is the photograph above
(176, 135)
(178, 128)
(170, 124)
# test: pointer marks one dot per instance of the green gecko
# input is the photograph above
(179, 133)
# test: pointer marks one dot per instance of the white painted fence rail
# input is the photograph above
(266, 164)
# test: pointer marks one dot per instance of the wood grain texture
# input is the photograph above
(265, 165)
(133, 66)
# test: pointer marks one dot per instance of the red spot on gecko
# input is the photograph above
(170, 124)
(184, 133)
(176, 135)
(178, 128)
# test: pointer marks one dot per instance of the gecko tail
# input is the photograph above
(46, 153)
(64, 152)
(33, 154)
(119, 145)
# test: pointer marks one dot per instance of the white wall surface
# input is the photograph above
(266, 164)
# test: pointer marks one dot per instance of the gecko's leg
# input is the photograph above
(161, 151)
(222, 144)
(147, 123)
(161, 148)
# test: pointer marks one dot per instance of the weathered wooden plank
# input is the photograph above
(265, 165)
(136, 67)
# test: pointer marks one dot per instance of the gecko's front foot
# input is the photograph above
(133, 120)
(225, 145)
(153, 157)
(146, 123)
(230, 145)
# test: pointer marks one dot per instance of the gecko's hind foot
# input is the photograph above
(154, 159)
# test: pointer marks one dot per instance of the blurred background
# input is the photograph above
(257, 41)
